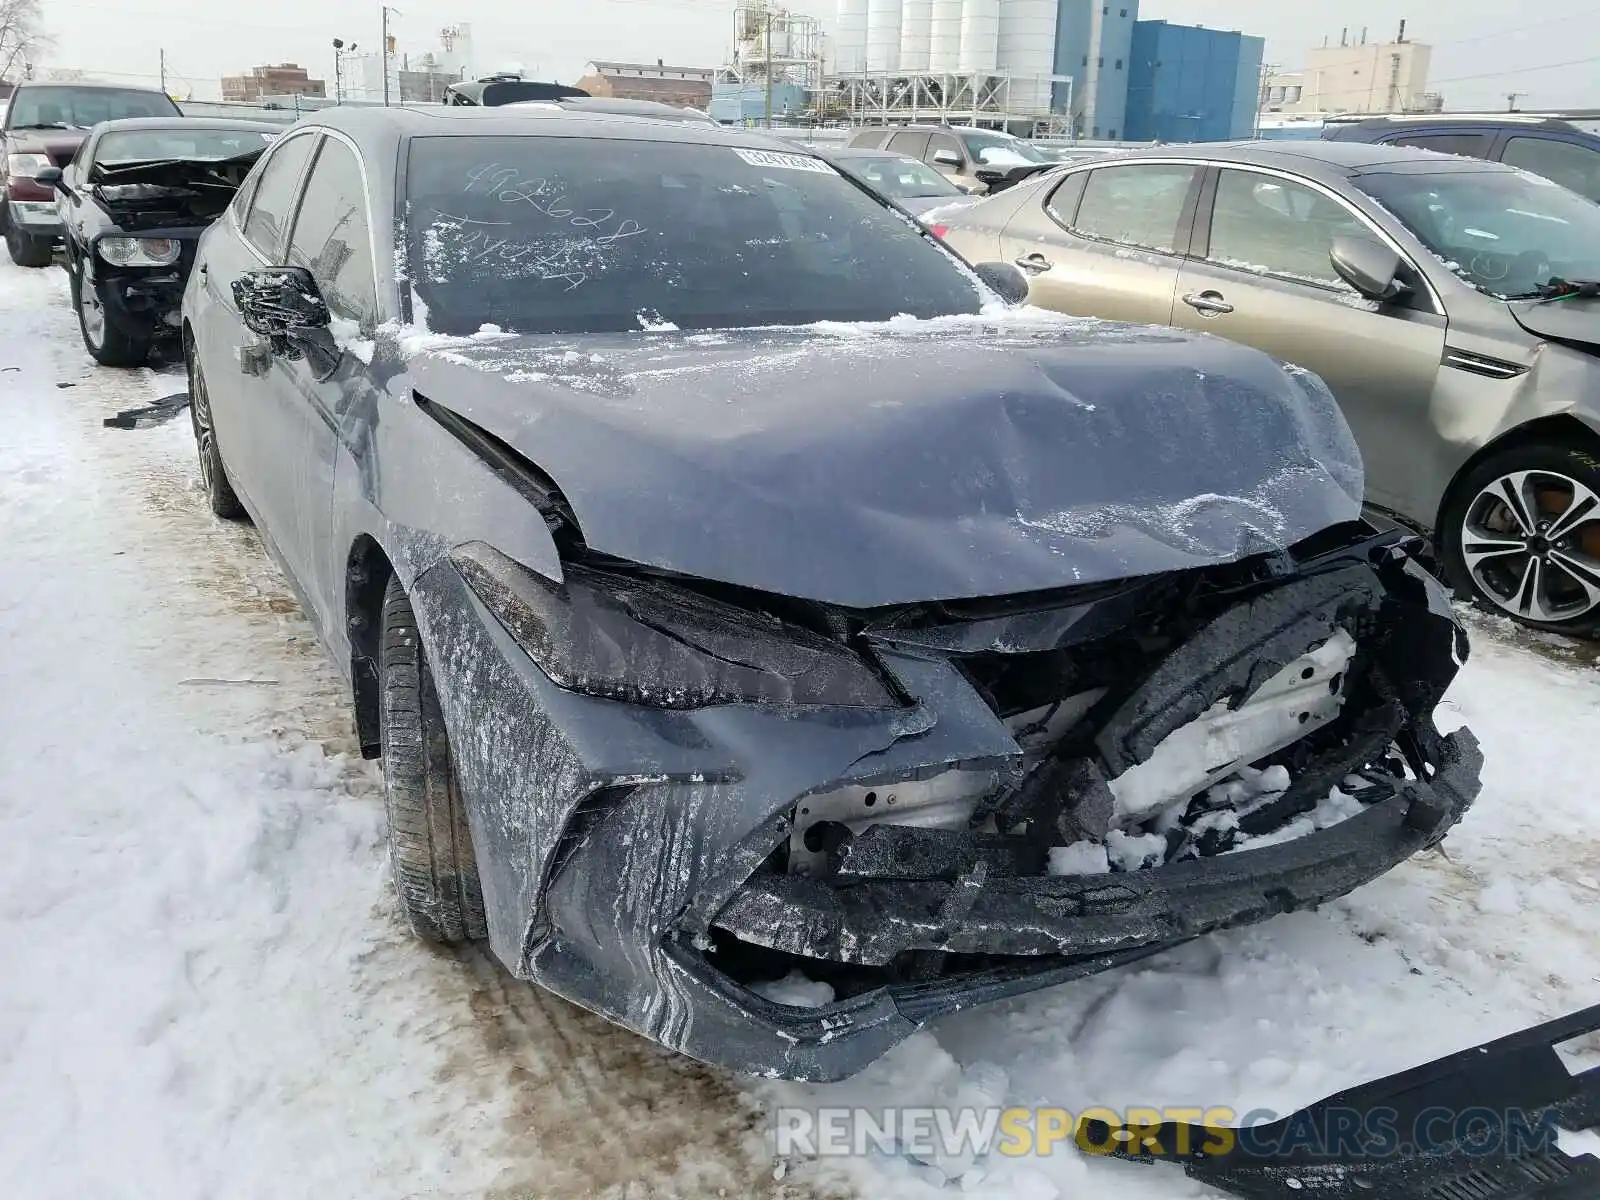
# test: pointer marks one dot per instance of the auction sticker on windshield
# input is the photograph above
(787, 162)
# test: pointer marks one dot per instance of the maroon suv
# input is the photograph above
(44, 126)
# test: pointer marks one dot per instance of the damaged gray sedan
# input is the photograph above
(737, 591)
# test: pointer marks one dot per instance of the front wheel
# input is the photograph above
(430, 845)
(213, 475)
(107, 342)
(26, 250)
(1522, 536)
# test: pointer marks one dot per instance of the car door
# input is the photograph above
(1106, 241)
(1566, 161)
(235, 360)
(1260, 274)
(72, 199)
(331, 236)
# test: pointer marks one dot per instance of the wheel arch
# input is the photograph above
(1560, 427)
(366, 577)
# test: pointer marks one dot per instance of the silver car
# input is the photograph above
(1453, 305)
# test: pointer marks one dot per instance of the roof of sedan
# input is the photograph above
(533, 120)
(1318, 157)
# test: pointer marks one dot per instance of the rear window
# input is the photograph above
(562, 235)
(78, 107)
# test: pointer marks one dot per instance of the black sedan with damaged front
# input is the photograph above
(737, 590)
(133, 203)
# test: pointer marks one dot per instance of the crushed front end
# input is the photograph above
(1047, 786)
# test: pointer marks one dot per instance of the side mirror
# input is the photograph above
(1004, 280)
(1368, 266)
(946, 158)
(280, 303)
(990, 176)
(50, 177)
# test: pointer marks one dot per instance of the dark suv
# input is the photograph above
(1547, 146)
(44, 126)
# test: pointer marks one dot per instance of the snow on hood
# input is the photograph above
(866, 465)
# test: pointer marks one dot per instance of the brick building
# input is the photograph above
(686, 87)
(284, 79)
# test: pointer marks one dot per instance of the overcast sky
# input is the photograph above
(1479, 55)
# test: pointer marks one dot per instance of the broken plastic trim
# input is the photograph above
(1482, 1124)
(647, 642)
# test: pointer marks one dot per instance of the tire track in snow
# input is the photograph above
(424, 1073)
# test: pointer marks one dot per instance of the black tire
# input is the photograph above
(213, 475)
(27, 250)
(1561, 592)
(430, 844)
(107, 343)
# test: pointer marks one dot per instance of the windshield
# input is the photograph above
(569, 235)
(1000, 149)
(1508, 233)
(903, 178)
(196, 145)
(77, 107)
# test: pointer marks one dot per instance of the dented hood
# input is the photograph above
(876, 465)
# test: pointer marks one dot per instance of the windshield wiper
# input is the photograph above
(46, 125)
(1556, 288)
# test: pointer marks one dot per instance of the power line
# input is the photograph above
(1497, 33)
(1572, 62)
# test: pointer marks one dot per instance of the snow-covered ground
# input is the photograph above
(206, 990)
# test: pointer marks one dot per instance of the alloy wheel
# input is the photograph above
(90, 311)
(1531, 543)
(200, 410)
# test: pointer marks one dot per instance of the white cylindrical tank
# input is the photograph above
(883, 36)
(850, 38)
(944, 36)
(916, 33)
(1025, 49)
(980, 34)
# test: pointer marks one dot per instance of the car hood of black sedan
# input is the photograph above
(885, 464)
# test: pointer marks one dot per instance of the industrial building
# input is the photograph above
(1087, 68)
(1188, 84)
(1356, 76)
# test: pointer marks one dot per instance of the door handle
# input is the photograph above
(203, 271)
(1209, 304)
(1034, 264)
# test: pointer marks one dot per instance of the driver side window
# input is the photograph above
(1267, 225)
(332, 238)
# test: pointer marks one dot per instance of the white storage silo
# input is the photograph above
(883, 36)
(850, 38)
(1025, 49)
(916, 33)
(944, 37)
(980, 34)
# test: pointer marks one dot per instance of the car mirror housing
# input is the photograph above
(946, 158)
(1368, 266)
(1010, 284)
(280, 302)
(50, 177)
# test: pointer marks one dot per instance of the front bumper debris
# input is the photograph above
(1482, 1124)
(656, 864)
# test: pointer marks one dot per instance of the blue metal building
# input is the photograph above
(1189, 84)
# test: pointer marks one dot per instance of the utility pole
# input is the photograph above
(1511, 100)
(163, 72)
(769, 68)
(384, 49)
